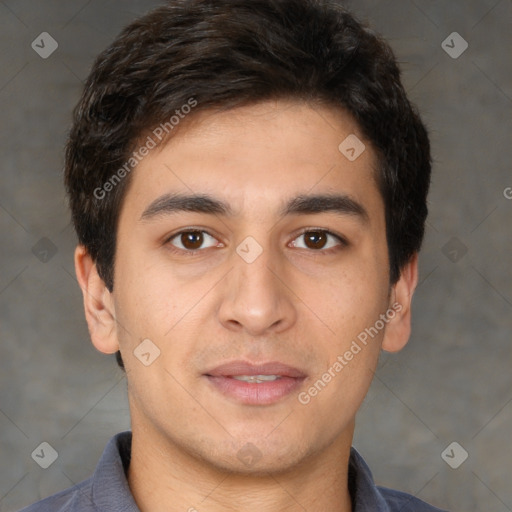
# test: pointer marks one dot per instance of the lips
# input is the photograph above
(239, 368)
(255, 384)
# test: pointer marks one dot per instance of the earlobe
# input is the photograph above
(98, 303)
(398, 329)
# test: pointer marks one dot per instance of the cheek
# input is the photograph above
(351, 308)
(353, 298)
(143, 299)
(154, 303)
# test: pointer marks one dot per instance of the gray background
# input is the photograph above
(451, 383)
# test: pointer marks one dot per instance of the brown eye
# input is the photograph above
(192, 240)
(319, 239)
(315, 239)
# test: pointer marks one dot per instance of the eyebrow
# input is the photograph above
(303, 204)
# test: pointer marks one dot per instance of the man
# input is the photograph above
(248, 184)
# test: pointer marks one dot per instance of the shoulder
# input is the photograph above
(403, 502)
(106, 489)
(75, 499)
(370, 497)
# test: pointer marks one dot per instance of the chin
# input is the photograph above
(256, 457)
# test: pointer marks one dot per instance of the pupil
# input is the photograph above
(315, 239)
(192, 240)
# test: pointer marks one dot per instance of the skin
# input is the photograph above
(299, 305)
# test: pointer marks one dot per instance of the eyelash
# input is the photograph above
(342, 241)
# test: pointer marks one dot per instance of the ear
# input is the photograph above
(398, 329)
(98, 303)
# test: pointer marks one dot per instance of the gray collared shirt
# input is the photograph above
(107, 489)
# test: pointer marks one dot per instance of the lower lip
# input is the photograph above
(249, 393)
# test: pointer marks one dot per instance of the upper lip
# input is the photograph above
(237, 368)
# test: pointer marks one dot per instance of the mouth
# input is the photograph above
(256, 379)
(255, 384)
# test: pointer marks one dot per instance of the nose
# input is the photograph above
(257, 297)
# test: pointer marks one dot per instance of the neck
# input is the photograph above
(164, 477)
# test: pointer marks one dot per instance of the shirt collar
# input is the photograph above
(110, 489)
(364, 493)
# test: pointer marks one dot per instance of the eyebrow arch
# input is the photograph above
(337, 203)
(300, 205)
(174, 203)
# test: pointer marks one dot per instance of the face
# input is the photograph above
(257, 278)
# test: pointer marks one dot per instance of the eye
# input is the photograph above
(191, 240)
(319, 239)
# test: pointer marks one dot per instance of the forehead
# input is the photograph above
(253, 158)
